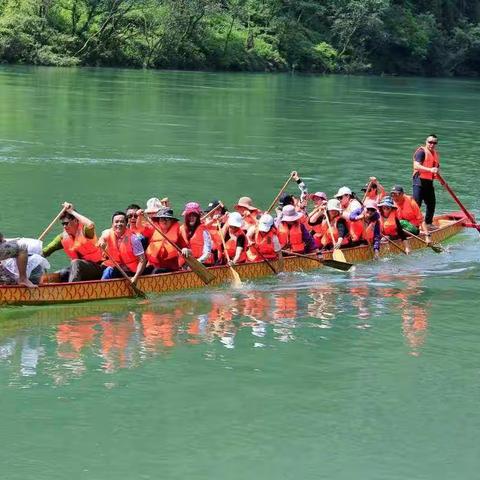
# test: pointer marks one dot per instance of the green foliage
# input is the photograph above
(425, 37)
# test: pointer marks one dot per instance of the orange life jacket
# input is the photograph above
(356, 230)
(263, 243)
(195, 243)
(326, 238)
(120, 250)
(389, 224)
(81, 247)
(291, 236)
(160, 252)
(231, 247)
(432, 159)
(369, 232)
(410, 211)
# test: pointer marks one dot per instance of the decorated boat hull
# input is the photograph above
(52, 293)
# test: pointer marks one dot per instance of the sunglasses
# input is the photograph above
(432, 143)
(65, 223)
(132, 215)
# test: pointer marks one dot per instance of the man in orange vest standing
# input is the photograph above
(426, 164)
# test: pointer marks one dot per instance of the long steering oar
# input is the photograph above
(343, 266)
(435, 248)
(337, 253)
(50, 226)
(275, 200)
(458, 202)
(197, 267)
(136, 290)
(236, 280)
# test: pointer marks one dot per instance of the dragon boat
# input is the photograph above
(447, 226)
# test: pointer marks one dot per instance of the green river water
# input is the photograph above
(368, 375)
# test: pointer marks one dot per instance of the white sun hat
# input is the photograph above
(343, 191)
(235, 220)
(334, 204)
(265, 223)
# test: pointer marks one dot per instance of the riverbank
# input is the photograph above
(351, 37)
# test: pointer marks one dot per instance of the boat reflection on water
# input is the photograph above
(66, 342)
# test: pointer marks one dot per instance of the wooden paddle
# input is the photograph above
(197, 267)
(435, 248)
(366, 192)
(278, 196)
(52, 223)
(236, 280)
(136, 290)
(337, 253)
(394, 244)
(272, 268)
(457, 201)
(343, 266)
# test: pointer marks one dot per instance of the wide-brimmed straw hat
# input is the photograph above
(192, 207)
(165, 213)
(246, 202)
(289, 214)
(153, 205)
(387, 202)
(235, 220)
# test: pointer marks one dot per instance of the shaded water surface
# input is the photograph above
(372, 374)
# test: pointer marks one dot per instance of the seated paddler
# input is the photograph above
(293, 234)
(122, 247)
(79, 241)
(263, 242)
(196, 235)
(162, 256)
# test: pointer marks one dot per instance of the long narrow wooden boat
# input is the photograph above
(447, 225)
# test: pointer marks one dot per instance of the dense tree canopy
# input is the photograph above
(425, 37)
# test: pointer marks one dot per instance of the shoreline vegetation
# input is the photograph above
(394, 37)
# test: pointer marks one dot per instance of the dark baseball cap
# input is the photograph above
(397, 189)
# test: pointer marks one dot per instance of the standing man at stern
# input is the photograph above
(426, 164)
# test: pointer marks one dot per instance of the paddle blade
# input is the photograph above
(343, 266)
(199, 269)
(236, 280)
(339, 256)
(437, 248)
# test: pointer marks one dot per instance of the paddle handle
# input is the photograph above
(50, 226)
(219, 228)
(275, 200)
(330, 229)
(457, 201)
(366, 192)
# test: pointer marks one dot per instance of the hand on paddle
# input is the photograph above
(186, 252)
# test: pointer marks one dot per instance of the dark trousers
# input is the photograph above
(80, 270)
(425, 192)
